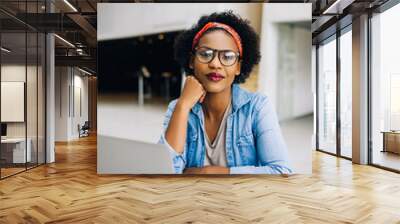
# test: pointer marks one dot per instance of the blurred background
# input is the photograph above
(138, 76)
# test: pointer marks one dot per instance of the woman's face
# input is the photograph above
(215, 76)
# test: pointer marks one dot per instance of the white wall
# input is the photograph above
(285, 67)
(129, 20)
(12, 101)
(293, 89)
(68, 82)
(14, 73)
(80, 84)
(61, 103)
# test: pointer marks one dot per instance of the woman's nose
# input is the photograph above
(215, 63)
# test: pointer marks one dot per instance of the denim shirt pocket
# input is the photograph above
(246, 147)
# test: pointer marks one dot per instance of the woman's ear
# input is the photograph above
(239, 68)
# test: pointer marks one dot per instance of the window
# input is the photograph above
(346, 93)
(385, 89)
(327, 96)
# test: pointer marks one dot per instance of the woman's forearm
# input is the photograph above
(176, 131)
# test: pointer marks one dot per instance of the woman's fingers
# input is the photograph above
(193, 79)
(193, 92)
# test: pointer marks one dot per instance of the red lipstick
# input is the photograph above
(215, 77)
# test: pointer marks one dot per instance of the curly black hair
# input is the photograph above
(249, 38)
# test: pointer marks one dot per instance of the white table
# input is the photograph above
(19, 149)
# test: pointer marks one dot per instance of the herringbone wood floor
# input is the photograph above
(70, 191)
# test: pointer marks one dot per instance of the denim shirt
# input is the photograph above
(254, 142)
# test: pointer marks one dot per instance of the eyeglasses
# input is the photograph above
(226, 57)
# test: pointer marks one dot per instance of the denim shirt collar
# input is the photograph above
(240, 97)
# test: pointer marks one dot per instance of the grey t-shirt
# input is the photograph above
(216, 151)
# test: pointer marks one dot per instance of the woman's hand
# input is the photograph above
(207, 170)
(192, 93)
(175, 134)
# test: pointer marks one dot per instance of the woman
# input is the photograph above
(215, 127)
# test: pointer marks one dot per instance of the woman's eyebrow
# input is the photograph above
(216, 49)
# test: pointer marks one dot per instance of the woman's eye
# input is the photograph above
(206, 53)
(229, 56)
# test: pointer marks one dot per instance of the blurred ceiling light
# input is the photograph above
(70, 5)
(84, 71)
(5, 50)
(65, 41)
(79, 44)
(80, 51)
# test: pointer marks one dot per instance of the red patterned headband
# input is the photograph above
(227, 28)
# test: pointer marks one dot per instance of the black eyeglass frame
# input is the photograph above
(215, 51)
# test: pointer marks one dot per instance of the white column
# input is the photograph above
(50, 92)
(141, 90)
(50, 98)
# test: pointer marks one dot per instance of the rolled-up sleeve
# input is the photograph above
(178, 160)
(270, 146)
